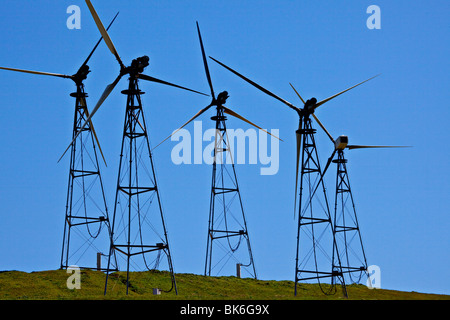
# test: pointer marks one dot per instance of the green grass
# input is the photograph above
(52, 285)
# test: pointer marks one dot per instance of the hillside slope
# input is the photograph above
(52, 285)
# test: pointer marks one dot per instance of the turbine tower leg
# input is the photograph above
(227, 226)
(86, 215)
(315, 233)
(348, 235)
(138, 227)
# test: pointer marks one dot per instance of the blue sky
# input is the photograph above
(321, 47)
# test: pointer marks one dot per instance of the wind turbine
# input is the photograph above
(136, 188)
(314, 216)
(224, 187)
(85, 182)
(346, 225)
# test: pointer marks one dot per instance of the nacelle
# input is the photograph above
(222, 98)
(310, 104)
(341, 143)
(81, 74)
(140, 64)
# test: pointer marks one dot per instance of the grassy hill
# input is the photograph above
(52, 285)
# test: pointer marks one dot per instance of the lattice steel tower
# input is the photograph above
(227, 226)
(348, 235)
(138, 226)
(86, 209)
(317, 254)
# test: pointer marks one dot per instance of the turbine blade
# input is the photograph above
(234, 114)
(86, 112)
(338, 94)
(38, 72)
(105, 95)
(330, 159)
(99, 41)
(323, 127)
(152, 79)
(298, 139)
(350, 147)
(189, 121)
(257, 86)
(104, 33)
(297, 93)
(326, 167)
(205, 63)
